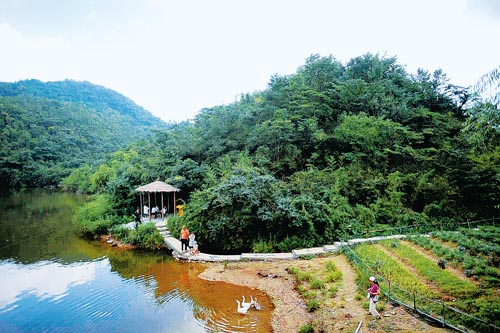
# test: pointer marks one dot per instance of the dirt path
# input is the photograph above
(346, 311)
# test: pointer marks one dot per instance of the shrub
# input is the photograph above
(175, 223)
(119, 232)
(95, 218)
(308, 294)
(333, 290)
(330, 266)
(295, 242)
(316, 283)
(262, 246)
(312, 305)
(303, 276)
(146, 237)
(308, 328)
(333, 276)
(333, 273)
(301, 289)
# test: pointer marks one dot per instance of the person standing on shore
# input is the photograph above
(184, 238)
(137, 215)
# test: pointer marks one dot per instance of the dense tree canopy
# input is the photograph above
(326, 152)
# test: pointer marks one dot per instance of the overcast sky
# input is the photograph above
(175, 57)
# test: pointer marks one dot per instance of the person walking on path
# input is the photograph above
(373, 293)
(184, 238)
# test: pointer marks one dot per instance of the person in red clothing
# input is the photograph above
(184, 238)
(373, 293)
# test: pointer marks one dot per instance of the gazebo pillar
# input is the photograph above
(149, 205)
(141, 203)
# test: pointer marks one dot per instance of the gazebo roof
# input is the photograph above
(157, 186)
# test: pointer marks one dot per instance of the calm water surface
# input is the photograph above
(53, 281)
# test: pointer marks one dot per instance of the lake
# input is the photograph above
(53, 281)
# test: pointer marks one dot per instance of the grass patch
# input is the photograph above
(317, 283)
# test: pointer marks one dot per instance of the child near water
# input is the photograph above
(191, 240)
(195, 251)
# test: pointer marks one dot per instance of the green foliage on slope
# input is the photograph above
(49, 129)
(324, 153)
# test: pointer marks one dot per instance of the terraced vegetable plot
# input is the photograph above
(477, 242)
(475, 266)
(419, 275)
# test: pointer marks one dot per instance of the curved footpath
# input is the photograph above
(174, 244)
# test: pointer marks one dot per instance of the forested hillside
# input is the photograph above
(49, 129)
(329, 151)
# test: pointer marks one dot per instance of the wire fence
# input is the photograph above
(425, 228)
(435, 311)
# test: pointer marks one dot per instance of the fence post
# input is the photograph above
(444, 313)
(468, 224)
(415, 302)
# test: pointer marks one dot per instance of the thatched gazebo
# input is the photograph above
(155, 187)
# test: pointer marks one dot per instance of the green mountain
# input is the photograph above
(50, 128)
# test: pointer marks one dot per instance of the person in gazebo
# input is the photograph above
(154, 211)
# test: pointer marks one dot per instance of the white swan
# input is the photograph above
(245, 304)
(241, 309)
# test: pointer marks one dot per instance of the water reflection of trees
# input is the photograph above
(37, 225)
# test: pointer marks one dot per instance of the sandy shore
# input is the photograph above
(273, 279)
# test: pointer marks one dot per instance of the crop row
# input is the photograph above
(472, 245)
(472, 265)
(487, 233)
(392, 270)
(481, 303)
(448, 282)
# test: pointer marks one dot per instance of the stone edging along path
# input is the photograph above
(174, 244)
